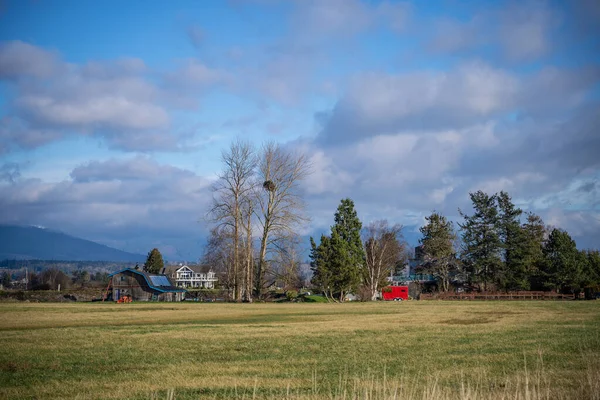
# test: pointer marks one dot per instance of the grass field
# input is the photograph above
(424, 350)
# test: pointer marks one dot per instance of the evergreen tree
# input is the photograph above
(532, 233)
(514, 275)
(481, 241)
(154, 263)
(5, 279)
(338, 260)
(438, 248)
(562, 262)
(348, 255)
(320, 265)
(590, 272)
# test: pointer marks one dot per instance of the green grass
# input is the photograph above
(313, 298)
(426, 350)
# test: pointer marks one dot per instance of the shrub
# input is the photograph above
(291, 295)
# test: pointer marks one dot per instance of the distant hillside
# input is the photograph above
(31, 243)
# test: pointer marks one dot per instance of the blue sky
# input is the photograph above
(113, 114)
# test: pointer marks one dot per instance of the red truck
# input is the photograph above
(396, 293)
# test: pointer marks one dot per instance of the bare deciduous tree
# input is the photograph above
(231, 192)
(286, 264)
(384, 249)
(280, 206)
(218, 253)
(248, 210)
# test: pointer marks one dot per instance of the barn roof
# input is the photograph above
(157, 282)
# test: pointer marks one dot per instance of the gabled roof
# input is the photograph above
(156, 282)
(199, 269)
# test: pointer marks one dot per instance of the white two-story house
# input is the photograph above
(191, 276)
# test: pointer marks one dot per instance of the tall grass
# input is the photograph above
(414, 350)
(528, 384)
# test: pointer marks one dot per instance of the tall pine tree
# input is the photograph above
(562, 262)
(481, 241)
(438, 248)
(338, 260)
(532, 232)
(514, 275)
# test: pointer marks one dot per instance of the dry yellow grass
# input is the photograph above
(435, 350)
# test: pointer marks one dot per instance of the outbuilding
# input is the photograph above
(142, 286)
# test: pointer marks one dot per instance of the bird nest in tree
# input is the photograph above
(269, 185)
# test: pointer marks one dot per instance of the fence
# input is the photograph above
(497, 296)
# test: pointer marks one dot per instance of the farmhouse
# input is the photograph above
(191, 276)
(141, 286)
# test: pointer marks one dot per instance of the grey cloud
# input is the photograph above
(138, 168)
(131, 202)
(16, 132)
(455, 36)
(341, 18)
(113, 100)
(195, 73)
(525, 30)
(521, 31)
(10, 172)
(588, 187)
(19, 59)
(471, 94)
(386, 104)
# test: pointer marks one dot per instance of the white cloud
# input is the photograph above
(108, 200)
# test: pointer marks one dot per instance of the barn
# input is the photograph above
(142, 286)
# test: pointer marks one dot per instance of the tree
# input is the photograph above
(320, 265)
(218, 253)
(439, 256)
(231, 196)
(562, 262)
(286, 265)
(384, 249)
(481, 241)
(81, 277)
(590, 267)
(532, 234)
(591, 272)
(339, 260)
(515, 274)
(52, 278)
(5, 279)
(280, 205)
(154, 263)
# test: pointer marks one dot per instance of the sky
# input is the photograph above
(114, 114)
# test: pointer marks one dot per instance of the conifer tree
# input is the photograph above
(562, 262)
(481, 241)
(320, 265)
(438, 248)
(338, 260)
(532, 233)
(154, 263)
(514, 274)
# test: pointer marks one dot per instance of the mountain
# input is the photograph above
(33, 243)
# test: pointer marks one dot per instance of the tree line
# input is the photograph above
(258, 209)
(497, 247)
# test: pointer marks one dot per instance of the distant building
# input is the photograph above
(410, 272)
(142, 286)
(191, 276)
